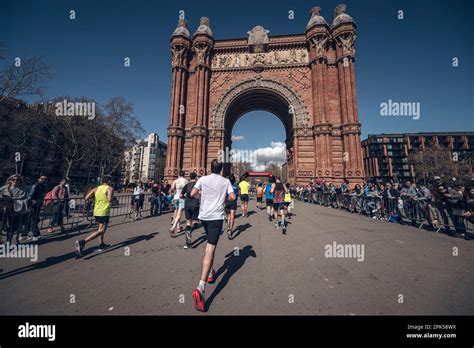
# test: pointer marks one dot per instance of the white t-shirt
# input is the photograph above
(138, 190)
(178, 186)
(214, 188)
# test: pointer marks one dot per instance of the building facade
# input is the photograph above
(145, 160)
(386, 155)
(306, 80)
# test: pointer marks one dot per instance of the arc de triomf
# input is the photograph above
(306, 80)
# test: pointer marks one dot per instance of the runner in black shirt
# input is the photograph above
(191, 208)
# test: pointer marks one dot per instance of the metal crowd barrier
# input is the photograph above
(71, 213)
(418, 212)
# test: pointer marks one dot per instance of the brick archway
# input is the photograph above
(306, 80)
(290, 103)
(257, 94)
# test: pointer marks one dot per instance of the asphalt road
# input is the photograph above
(404, 271)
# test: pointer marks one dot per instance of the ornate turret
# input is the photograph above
(343, 30)
(181, 29)
(203, 43)
(180, 45)
(204, 27)
(340, 16)
(317, 35)
(316, 18)
(202, 49)
(319, 44)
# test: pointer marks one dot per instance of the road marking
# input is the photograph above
(399, 241)
(326, 279)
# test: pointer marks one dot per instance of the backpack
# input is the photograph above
(48, 199)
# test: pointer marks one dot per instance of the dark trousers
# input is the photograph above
(58, 217)
(17, 224)
(35, 219)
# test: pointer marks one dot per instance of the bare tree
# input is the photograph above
(26, 79)
(117, 129)
(69, 135)
(121, 119)
(275, 168)
(438, 161)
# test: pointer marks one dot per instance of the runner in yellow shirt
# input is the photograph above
(103, 196)
(244, 195)
(288, 200)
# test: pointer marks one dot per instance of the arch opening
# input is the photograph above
(258, 100)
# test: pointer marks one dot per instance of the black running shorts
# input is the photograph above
(269, 202)
(231, 205)
(191, 212)
(278, 206)
(104, 220)
(259, 199)
(244, 198)
(213, 230)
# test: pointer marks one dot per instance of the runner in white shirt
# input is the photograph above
(213, 190)
(178, 202)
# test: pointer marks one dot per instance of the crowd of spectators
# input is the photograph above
(447, 207)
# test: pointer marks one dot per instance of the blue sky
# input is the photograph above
(407, 60)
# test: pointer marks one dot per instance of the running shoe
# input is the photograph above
(188, 238)
(276, 225)
(102, 247)
(283, 228)
(79, 245)
(171, 232)
(198, 300)
(212, 276)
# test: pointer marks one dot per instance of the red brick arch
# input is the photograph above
(217, 81)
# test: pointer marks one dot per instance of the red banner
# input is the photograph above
(267, 174)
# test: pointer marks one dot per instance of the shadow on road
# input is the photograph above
(53, 260)
(232, 265)
(123, 244)
(39, 265)
(199, 241)
(241, 228)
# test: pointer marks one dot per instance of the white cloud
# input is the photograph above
(259, 168)
(237, 137)
(276, 153)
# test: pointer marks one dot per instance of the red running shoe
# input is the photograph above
(211, 279)
(198, 300)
